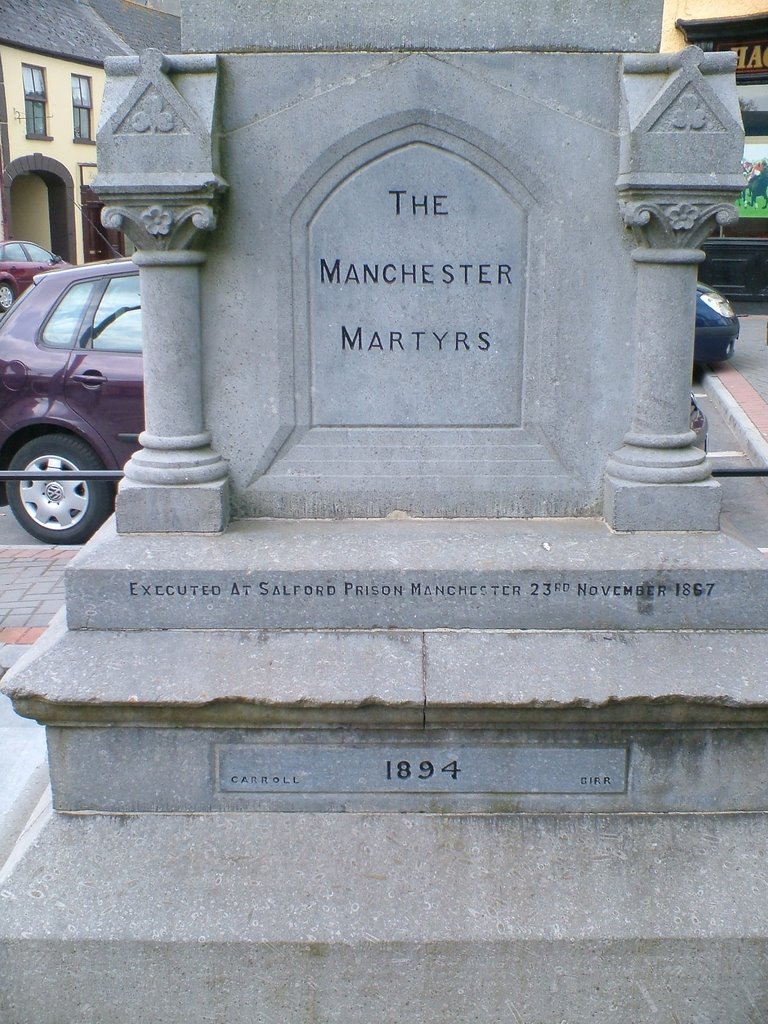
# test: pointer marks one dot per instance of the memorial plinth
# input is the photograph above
(414, 679)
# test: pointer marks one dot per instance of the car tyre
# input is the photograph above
(59, 512)
(7, 295)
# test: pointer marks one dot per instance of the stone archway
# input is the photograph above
(61, 200)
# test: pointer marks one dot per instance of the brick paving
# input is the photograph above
(31, 590)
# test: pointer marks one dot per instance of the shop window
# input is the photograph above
(753, 201)
(35, 101)
(82, 107)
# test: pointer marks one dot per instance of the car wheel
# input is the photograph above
(59, 511)
(7, 295)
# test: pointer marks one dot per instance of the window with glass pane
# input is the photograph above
(117, 323)
(34, 99)
(38, 253)
(13, 252)
(81, 106)
(753, 201)
(63, 327)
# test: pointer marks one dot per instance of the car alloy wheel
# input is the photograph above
(7, 295)
(59, 511)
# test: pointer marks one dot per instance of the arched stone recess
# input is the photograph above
(61, 199)
(405, 372)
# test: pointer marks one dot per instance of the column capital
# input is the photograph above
(158, 150)
(163, 221)
(672, 223)
(680, 154)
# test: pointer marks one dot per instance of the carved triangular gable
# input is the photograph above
(152, 113)
(690, 110)
(687, 104)
(153, 105)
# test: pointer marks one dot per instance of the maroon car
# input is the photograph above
(19, 262)
(70, 394)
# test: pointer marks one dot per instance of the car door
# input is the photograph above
(17, 264)
(104, 376)
(40, 259)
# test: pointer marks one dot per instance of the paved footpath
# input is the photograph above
(740, 388)
(31, 590)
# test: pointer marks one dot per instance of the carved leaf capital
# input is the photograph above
(675, 221)
(161, 226)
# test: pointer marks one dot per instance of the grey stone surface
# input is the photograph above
(683, 119)
(679, 177)
(173, 508)
(431, 433)
(157, 132)
(561, 574)
(633, 506)
(481, 25)
(546, 766)
(159, 178)
(416, 325)
(406, 354)
(351, 918)
(325, 677)
(680, 704)
(457, 325)
(24, 771)
(441, 679)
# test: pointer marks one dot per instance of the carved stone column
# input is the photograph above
(679, 137)
(158, 177)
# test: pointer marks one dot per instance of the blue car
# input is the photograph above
(717, 326)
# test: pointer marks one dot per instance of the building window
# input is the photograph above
(81, 107)
(34, 100)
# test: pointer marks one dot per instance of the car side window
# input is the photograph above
(37, 254)
(63, 325)
(117, 323)
(14, 252)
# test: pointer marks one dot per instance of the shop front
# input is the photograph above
(737, 257)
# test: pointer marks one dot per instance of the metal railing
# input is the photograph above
(61, 474)
(117, 474)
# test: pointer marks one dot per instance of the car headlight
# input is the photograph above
(718, 303)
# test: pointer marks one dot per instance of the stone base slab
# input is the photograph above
(667, 709)
(631, 506)
(379, 679)
(355, 918)
(183, 508)
(606, 770)
(418, 574)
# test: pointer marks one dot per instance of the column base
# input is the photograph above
(176, 460)
(635, 506)
(174, 508)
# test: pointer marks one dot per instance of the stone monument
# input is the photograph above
(414, 679)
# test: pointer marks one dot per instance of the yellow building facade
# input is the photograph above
(52, 55)
(52, 110)
(673, 38)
